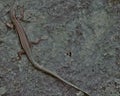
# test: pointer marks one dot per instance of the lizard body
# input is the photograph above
(25, 44)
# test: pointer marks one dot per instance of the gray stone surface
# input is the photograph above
(82, 46)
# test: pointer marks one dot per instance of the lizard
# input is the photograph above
(25, 45)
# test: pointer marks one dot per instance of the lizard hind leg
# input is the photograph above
(39, 40)
(36, 42)
(20, 53)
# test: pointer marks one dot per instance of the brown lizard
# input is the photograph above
(25, 44)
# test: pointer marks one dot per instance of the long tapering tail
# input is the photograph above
(45, 70)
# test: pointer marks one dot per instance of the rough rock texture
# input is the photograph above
(82, 46)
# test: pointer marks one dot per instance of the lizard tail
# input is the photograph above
(45, 70)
